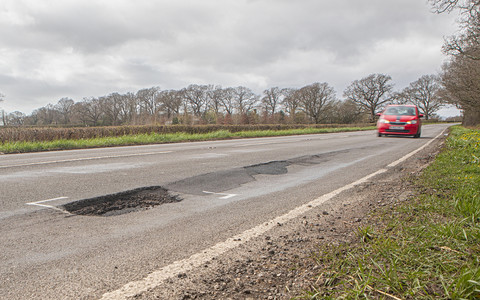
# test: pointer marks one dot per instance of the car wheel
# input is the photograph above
(417, 135)
(379, 134)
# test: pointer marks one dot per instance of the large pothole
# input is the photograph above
(122, 203)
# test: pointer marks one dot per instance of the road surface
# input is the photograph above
(226, 187)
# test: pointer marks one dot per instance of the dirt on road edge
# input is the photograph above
(281, 263)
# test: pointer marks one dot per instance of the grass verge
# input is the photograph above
(425, 248)
(155, 138)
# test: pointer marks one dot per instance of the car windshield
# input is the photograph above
(400, 111)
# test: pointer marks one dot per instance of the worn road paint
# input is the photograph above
(40, 203)
(158, 277)
(82, 159)
(225, 196)
(254, 144)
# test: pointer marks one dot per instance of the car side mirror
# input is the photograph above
(420, 115)
(378, 114)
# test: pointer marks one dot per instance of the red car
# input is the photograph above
(400, 120)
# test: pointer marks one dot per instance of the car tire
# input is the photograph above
(379, 134)
(417, 135)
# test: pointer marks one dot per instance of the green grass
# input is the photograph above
(155, 138)
(427, 248)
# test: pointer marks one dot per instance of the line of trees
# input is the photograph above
(460, 77)
(208, 104)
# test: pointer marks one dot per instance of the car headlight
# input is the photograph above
(384, 121)
(412, 122)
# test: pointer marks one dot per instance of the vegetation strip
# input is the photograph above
(425, 248)
(157, 138)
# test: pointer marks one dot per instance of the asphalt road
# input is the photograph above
(227, 187)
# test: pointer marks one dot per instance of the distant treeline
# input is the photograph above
(316, 103)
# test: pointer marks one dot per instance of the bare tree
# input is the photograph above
(171, 102)
(228, 100)
(198, 98)
(245, 99)
(346, 112)
(78, 114)
(425, 93)
(315, 100)
(461, 80)
(216, 95)
(64, 107)
(110, 106)
(461, 76)
(2, 96)
(442, 6)
(290, 101)
(92, 110)
(4, 118)
(370, 92)
(15, 118)
(47, 115)
(149, 102)
(467, 41)
(128, 107)
(272, 99)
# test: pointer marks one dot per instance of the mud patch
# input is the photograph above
(122, 203)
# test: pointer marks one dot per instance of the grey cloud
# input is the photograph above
(89, 48)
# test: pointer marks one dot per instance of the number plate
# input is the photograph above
(397, 127)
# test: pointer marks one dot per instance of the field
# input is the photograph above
(20, 140)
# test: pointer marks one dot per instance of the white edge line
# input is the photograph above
(395, 163)
(155, 278)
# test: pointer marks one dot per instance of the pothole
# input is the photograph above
(122, 203)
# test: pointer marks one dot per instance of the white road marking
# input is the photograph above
(209, 155)
(158, 277)
(82, 159)
(40, 203)
(255, 144)
(395, 163)
(225, 196)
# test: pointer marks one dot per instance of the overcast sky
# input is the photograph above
(51, 49)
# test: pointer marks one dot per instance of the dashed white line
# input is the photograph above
(84, 158)
(156, 278)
